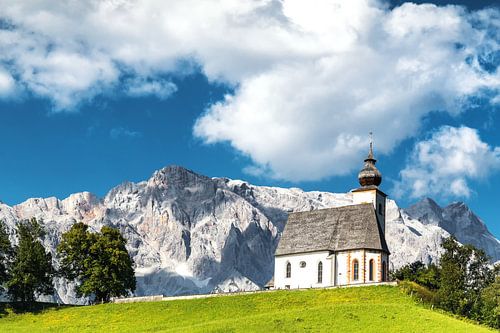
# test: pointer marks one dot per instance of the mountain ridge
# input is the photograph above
(189, 233)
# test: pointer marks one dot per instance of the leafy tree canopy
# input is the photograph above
(465, 272)
(490, 310)
(99, 262)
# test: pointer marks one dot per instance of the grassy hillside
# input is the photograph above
(367, 309)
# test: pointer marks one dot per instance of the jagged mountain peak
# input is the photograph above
(458, 205)
(456, 209)
(49, 202)
(464, 218)
(80, 203)
(38, 201)
(174, 168)
(124, 189)
(82, 198)
(175, 171)
(458, 220)
(174, 176)
(425, 210)
(428, 202)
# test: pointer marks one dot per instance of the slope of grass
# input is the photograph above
(366, 309)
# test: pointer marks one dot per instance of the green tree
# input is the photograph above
(6, 253)
(99, 262)
(452, 293)
(31, 272)
(490, 304)
(464, 275)
(74, 251)
(479, 277)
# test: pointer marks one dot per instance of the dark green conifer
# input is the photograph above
(31, 272)
(6, 254)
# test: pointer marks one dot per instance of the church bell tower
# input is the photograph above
(370, 178)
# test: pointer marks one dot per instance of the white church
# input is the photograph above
(337, 246)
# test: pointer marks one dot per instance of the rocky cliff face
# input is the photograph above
(188, 233)
(458, 220)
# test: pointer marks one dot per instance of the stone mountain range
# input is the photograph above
(188, 233)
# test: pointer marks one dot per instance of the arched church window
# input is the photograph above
(384, 271)
(355, 265)
(320, 272)
(370, 270)
(288, 270)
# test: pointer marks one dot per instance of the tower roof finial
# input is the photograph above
(370, 153)
(369, 175)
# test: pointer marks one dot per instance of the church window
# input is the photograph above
(370, 270)
(302, 264)
(355, 265)
(384, 271)
(288, 270)
(320, 272)
(380, 210)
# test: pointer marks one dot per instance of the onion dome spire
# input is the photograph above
(369, 175)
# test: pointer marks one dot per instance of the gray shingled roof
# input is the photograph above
(332, 229)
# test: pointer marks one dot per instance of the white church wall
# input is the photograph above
(367, 196)
(345, 260)
(337, 269)
(345, 266)
(376, 257)
(302, 277)
(341, 268)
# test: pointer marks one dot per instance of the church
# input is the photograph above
(337, 246)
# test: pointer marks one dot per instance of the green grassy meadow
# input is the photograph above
(364, 309)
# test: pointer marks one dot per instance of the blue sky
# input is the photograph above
(273, 93)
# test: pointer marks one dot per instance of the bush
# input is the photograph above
(428, 276)
(419, 292)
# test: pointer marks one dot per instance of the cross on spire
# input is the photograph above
(370, 153)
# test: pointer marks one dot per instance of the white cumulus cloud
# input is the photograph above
(445, 163)
(310, 78)
(143, 87)
(369, 69)
(7, 83)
